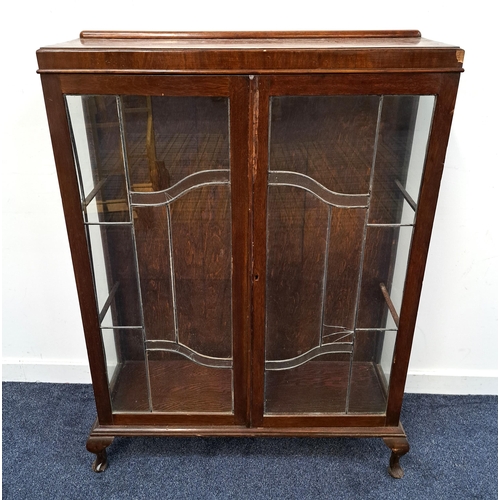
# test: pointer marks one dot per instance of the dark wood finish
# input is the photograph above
(241, 241)
(336, 428)
(98, 445)
(259, 171)
(399, 447)
(272, 52)
(139, 85)
(282, 256)
(211, 35)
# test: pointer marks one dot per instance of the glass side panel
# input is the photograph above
(369, 378)
(343, 183)
(115, 276)
(95, 129)
(127, 374)
(154, 178)
(385, 261)
(401, 150)
(421, 131)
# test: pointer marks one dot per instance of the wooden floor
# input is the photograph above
(179, 386)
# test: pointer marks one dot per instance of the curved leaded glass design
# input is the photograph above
(343, 182)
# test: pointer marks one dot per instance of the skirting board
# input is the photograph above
(452, 382)
(418, 381)
(49, 371)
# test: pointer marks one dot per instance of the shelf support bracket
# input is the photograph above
(390, 305)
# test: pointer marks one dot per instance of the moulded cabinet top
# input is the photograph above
(250, 52)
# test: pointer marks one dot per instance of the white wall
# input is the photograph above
(455, 347)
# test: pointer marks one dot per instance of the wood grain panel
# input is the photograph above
(177, 385)
(172, 85)
(328, 138)
(297, 225)
(344, 260)
(153, 256)
(201, 238)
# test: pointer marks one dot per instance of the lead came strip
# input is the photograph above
(325, 275)
(172, 273)
(184, 350)
(190, 182)
(286, 364)
(331, 198)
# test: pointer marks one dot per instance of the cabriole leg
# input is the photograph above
(98, 446)
(399, 447)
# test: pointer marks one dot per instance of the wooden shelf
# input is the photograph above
(321, 387)
(315, 387)
(176, 386)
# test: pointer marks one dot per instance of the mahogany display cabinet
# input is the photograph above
(249, 216)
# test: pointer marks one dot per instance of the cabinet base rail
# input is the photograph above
(101, 436)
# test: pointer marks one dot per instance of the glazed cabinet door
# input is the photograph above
(338, 190)
(162, 171)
